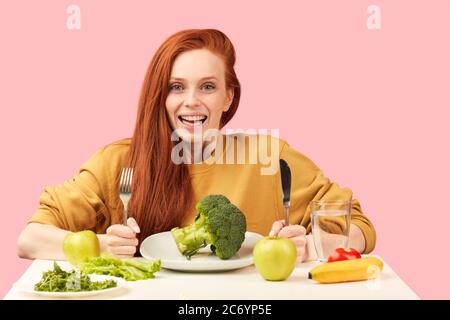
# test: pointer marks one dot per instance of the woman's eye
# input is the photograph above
(209, 86)
(176, 87)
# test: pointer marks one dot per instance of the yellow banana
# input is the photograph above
(347, 270)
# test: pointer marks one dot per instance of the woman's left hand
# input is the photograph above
(296, 233)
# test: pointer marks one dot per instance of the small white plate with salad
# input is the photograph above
(62, 284)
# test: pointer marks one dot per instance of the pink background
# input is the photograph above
(369, 107)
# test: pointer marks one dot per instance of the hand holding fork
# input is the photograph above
(121, 239)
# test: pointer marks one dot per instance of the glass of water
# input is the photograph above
(330, 226)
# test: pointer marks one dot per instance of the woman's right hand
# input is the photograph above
(121, 240)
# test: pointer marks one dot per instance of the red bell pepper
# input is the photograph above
(344, 254)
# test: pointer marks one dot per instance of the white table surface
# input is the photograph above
(243, 284)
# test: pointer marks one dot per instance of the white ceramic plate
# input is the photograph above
(29, 288)
(162, 246)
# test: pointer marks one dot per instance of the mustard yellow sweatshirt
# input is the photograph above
(90, 200)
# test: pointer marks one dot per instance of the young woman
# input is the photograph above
(190, 84)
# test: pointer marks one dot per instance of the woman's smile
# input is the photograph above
(190, 121)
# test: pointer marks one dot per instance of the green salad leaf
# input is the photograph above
(130, 269)
(58, 280)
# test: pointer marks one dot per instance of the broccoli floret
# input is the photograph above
(218, 223)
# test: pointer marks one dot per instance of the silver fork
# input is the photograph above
(126, 180)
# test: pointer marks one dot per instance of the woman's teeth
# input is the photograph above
(192, 119)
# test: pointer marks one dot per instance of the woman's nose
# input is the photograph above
(191, 99)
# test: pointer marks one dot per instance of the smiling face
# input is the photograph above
(197, 93)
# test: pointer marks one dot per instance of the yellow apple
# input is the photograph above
(275, 258)
(78, 246)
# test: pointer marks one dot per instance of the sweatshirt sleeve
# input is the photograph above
(79, 203)
(309, 183)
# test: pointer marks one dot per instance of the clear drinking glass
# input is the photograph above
(330, 226)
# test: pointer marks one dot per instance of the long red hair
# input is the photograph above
(162, 190)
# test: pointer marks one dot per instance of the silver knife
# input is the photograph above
(286, 186)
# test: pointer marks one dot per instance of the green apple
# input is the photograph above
(275, 258)
(78, 246)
